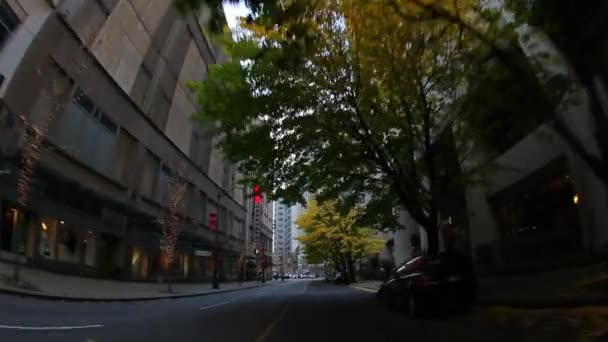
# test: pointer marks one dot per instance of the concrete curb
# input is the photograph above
(47, 296)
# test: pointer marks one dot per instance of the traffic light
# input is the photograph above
(257, 194)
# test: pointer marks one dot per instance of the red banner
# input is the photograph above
(213, 221)
(257, 195)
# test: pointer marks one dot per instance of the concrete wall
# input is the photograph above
(33, 14)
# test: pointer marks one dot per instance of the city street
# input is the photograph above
(297, 310)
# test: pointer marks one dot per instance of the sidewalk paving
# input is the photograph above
(564, 288)
(48, 285)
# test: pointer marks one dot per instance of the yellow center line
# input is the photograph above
(272, 325)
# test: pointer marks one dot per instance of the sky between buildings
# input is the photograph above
(233, 12)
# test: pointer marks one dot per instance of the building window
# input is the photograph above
(164, 177)
(48, 238)
(69, 244)
(139, 264)
(82, 100)
(141, 86)
(539, 221)
(126, 150)
(86, 132)
(203, 207)
(8, 22)
(64, 242)
(89, 248)
(17, 230)
(149, 174)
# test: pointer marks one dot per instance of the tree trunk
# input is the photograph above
(337, 264)
(168, 278)
(350, 264)
(344, 266)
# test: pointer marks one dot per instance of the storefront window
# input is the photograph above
(10, 219)
(186, 265)
(89, 248)
(48, 238)
(70, 243)
(541, 221)
(14, 230)
(164, 261)
(208, 267)
(139, 264)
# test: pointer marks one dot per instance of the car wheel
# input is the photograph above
(383, 297)
(413, 304)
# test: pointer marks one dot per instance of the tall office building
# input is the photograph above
(296, 247)
(104, 81)
(282, 236)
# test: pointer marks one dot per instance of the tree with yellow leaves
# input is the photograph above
(334, 237)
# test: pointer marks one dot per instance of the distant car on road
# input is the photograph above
(424, 284)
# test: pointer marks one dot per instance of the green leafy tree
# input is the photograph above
(334, 237)
(332, 103)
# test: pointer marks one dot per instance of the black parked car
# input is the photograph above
(424, 284)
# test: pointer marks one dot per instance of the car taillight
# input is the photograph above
(423, 280)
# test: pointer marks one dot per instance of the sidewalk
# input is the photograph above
(571, 287)
(42, 284)
(565, 288)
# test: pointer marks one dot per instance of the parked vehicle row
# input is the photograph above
(337, 278)
(297, 276)
(424, 284)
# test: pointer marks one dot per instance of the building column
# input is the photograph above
(483, 229)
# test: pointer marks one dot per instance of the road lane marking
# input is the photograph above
(362, 288)
(19, 327)
(272, 325)
(214, 305)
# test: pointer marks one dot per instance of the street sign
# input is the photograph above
(213, 221)
(257, 216)
(202, 253)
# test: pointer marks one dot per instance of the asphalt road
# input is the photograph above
(297, 310)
